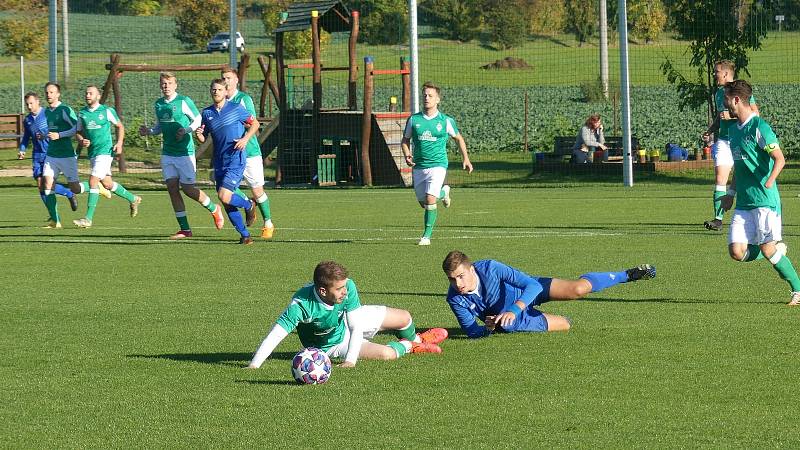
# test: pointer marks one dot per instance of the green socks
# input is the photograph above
(409, 332)
(183, 221)
(241, 194)
(753, 253)
(208, 204)
(52, 205)
(120, 191)
(94, 196)
(263, 206)
(399, 348)
(719, 192)
(786, 271)
(430, 219)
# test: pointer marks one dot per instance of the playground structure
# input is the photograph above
(332, 145)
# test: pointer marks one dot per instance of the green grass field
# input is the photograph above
(116, 337)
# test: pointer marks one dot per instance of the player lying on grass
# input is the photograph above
(504, 298)
(328, 315)
(755, 230)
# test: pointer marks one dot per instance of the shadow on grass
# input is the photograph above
(414, 294)
(271, 382)
(217, 358)
(688, 301)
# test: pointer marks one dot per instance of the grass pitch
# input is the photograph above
(116, 337)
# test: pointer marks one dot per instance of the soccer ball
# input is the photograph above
(311, 366)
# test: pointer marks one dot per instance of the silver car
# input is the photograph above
(222, 41)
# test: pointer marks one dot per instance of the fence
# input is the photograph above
(510, 104)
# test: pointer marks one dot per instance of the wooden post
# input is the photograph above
(112, 75)
(242, 71)
(263, 99)
(316, 60)
(281, 103)
(366, 124)
(405, 64)
(352, 100)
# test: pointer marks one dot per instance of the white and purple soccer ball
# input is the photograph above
(311, 366)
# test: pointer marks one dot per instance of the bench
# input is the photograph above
(562, 146)
(10, 130)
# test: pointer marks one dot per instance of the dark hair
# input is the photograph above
(328, 272)
(94, 86)
(739, 88)
(52, 83)
(454, 260)
(219, 81)
(592, 120)
(31, 94)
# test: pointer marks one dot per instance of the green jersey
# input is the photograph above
(253, 148)
(180, 112)
(429, 136)
(751, 145)
(725, 125)
(318, 324)
(62, 120)
(95, 125)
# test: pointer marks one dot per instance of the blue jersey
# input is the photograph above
(33, 124)
(226, 126)
(499, 286)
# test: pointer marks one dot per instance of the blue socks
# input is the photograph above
(238, 202)
(604, 280)
(61, 190)
(236, 218)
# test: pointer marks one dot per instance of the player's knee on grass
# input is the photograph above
(737, 251)
(558, 323)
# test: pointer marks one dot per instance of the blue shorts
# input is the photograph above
(229, 177)
(531, 319)
(37, 161)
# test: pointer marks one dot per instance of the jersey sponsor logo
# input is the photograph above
(92, 125)
(427, 136)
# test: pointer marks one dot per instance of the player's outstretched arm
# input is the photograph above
(275, 336)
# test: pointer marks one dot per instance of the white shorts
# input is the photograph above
(254, 171)
(53, 167)
(721, 152)
(371, 318)
(101, 166)
(428, 181)
(184, 168)
(755, 226)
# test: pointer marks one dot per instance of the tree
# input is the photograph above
(296, 44)
(647, 19)
(505, 23)
(383, 21)
(547, 17)
(583, 18)
(197, 22)
(24, 31)
(457, 20)
(713, 28)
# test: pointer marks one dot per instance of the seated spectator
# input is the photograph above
(674, 152)
(589, 139)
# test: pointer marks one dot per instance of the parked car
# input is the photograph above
(222, 42)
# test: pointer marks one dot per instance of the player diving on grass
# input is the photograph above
(756, 226)
(94, 134)
(505, 298)
(177, 117)
(225, 121)
(429, 132)
(61, 158)
(721, 151)
(328, 315)
(254, 167)
(34, 134)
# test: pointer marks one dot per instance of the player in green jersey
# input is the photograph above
(328, 315)
(724, 72)
(62, 124)
(755, 230)
(177, 117)
(254, 171)
(94, 134)
(429, 131)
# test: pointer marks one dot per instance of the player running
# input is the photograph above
(225, 122)
(34, 133)
(328, 315)
(177, 117)
(755, 230)
(254, 167)
(94, 134)
(429, 130)
(723, 159)
(505, 298)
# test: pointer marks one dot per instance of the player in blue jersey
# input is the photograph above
(505, 298)
(35, 134)
(225, 122)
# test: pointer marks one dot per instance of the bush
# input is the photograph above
(457, 20)
(505, 25)
(296, 44)
(583, 18)
(546, 17)
(24, 35)
(593, 91)
(198, 22)
(383, 22)
(647, 19)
